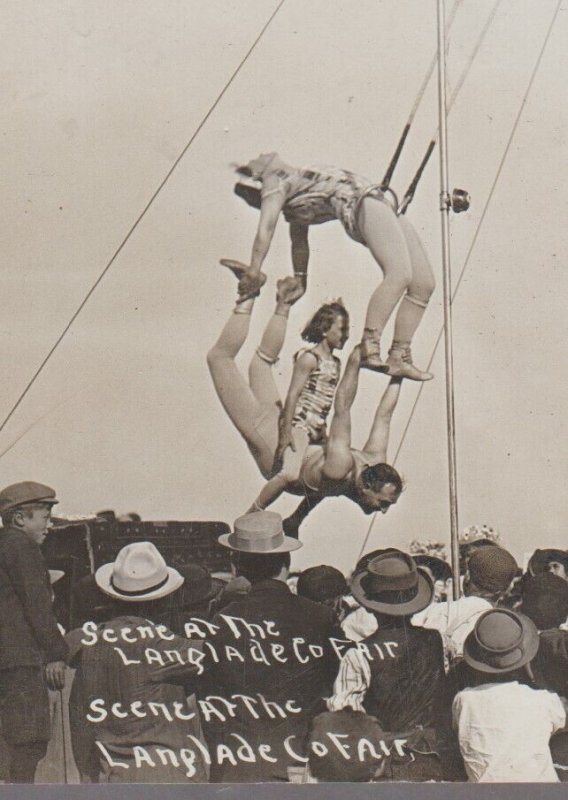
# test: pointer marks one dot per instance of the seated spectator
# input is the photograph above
(325, 585)
(490, 571)
(504, 726)
(281, 658)
(135, 744)
(395, 673)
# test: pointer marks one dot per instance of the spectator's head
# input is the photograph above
(392, 586)
(377, 488)
(260, 548)
(501, 643)
(197, 589)
(545, 600)
(437, 568)
(323, 584)
(489, 573)
(257, 567)
(474, 537)
(439, 571)
(549, 560)
(27, 506)
(139, 578)
(327, 317)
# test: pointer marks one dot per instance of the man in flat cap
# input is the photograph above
(32, 650)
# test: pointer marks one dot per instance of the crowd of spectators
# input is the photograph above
(177, 675)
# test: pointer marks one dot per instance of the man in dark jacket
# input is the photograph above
(32, 649)
(271, 661)
(395, 674)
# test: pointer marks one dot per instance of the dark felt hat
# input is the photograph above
(502, 641)
(392, 584)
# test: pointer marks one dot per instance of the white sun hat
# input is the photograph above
(138, 574)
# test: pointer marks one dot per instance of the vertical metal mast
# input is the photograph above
(445, 206)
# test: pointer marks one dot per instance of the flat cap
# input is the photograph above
(24, 493)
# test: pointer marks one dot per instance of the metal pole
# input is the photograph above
(445, 206)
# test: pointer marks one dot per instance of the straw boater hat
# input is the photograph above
(259, 532)
(392, 584)
(138, 574)
(502, 641)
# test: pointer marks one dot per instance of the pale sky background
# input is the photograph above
(98, 100)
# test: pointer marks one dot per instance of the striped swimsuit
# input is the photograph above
(316, 397)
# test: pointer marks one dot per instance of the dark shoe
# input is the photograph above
(399, 364)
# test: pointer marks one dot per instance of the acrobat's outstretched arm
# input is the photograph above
(377, 443)
(300, 251)
(338, 455)
(270, 209)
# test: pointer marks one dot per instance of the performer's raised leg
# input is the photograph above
(253, 408)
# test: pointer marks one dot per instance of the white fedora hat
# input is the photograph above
(138, 574)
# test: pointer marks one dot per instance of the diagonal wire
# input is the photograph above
(141, 216)
(473, 243)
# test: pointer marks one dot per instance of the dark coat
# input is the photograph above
(292, 675)
(29, 635)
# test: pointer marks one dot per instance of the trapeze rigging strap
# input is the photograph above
(472, 246)
(409, 194)
(394, 161)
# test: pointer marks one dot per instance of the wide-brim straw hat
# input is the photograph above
(502, 641)
(139, 574)
(392, 584)
(259, 532)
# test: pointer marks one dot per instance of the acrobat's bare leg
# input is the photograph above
(384, 238)
(412, 308)
(239, 401)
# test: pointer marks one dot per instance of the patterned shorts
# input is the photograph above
(348, 210)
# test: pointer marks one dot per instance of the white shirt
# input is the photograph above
(359, 624)
(504, 730)
(352, 682)
(455, 619)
